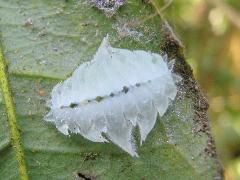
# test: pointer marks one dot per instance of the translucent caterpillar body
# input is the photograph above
(118, 90)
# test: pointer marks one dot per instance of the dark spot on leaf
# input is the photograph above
(42, 33)
(28, 22)
(145, 1)
(85, 176)
(81, 175)
(91, 156)
(85, 24)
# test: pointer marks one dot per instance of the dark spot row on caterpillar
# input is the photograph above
(125, 90)
(73, 105)
(99, 98)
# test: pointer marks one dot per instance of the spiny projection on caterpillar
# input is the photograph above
(106, 98)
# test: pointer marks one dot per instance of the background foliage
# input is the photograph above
(210, 30)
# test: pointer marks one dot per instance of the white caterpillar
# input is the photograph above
(116, 91)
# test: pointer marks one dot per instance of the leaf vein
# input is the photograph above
(12, 121)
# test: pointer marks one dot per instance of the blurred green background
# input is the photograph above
(210, 31)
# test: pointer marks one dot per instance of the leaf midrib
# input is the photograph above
(11, 116)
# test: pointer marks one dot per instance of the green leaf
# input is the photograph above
(42, 43)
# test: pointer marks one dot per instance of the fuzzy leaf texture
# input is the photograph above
(43, 42)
